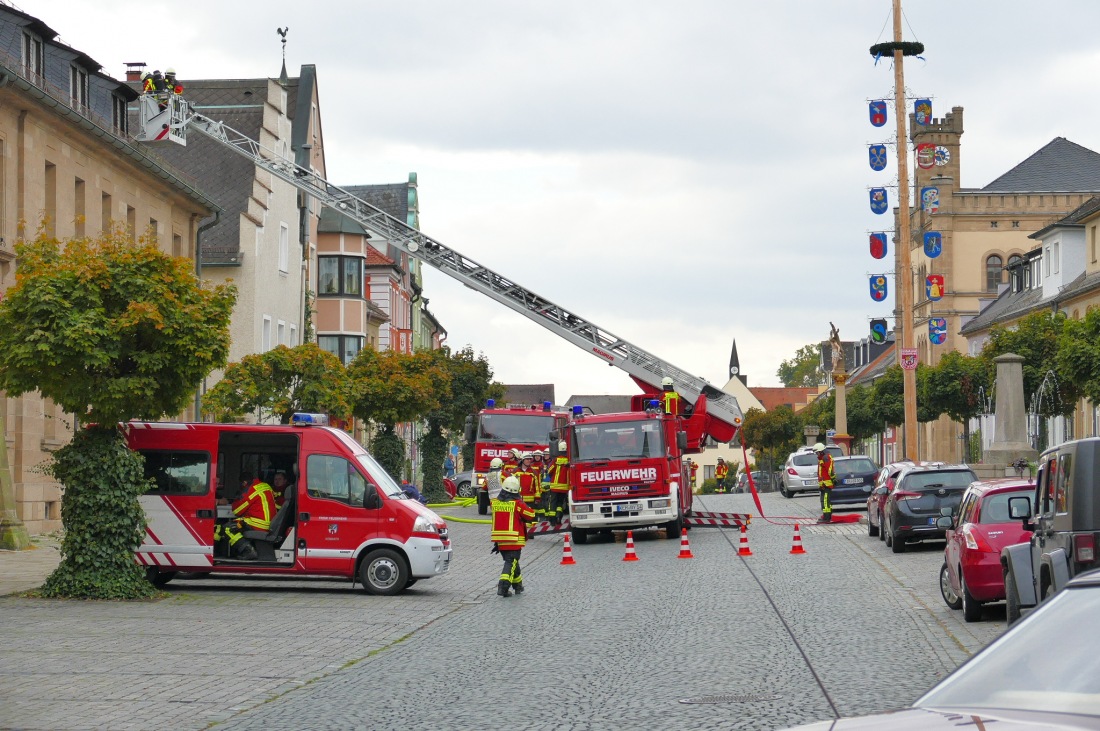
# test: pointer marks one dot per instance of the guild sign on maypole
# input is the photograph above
(897, 50)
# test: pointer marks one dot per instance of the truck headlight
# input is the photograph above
(666, 503)
(580, 509)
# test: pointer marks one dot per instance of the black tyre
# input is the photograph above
(580, 535)
(886, 535)
(872, 529)
(672, 530)
(1012, 596)
(158, 578)
(972, 608)
(896, 543)
(946, 590)
(482, 503)
(384, 572)
(784, 491)
(410, 582)
(465, 489)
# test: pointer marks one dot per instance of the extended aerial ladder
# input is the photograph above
(723, 415)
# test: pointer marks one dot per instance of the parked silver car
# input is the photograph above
(800, 470)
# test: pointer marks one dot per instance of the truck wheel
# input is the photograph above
(384, 573)
(1012, 596)
(672, 530)
(972, 608)
(157, 578)
(580, 535)
(482, 503)
(946, 590)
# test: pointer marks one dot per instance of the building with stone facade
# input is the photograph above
(984, 231)
(68, 163)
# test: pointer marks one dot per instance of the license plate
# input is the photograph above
(628, 508)
(810, 482)
(853, 481)
(931, 521)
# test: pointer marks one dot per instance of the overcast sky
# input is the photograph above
(681, 174)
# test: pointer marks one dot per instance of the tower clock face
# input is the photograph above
(942, 156)
(734, 370)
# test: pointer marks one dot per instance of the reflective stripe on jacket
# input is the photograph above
(509, 532)
(559, 475)
(721, 471)
(825, 472)
(256, 506)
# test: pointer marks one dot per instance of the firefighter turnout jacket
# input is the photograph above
(559, 475)
(256, 507)
(509, 517)
(826, 475)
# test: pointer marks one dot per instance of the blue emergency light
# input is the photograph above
(545, 405)
(654, 404)
(302, 419)
(490, 403)
(578, 411)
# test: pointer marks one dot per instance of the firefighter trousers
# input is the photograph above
(511, 571)
(826, 503)
(559, 503)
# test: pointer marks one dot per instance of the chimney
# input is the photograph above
(133, 70)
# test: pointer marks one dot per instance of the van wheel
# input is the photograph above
(1012, 596)
(384, 573)
(409, 583)
(580, 535)
(157, 578)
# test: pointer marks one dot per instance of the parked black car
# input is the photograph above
(914, 505)
(855, 477)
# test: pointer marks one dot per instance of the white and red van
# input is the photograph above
(342, 515)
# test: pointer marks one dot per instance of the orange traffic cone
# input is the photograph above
(567, 553)
(797, 547)
(685, 549)
(630, 555)
(743, 549)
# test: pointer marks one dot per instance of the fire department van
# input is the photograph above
(342, 515)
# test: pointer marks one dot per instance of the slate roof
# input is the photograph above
(225, 175)
(1071, 220)
(868, 372)
(1009, 306)
(1059, 166)
(391, 198)
(600, 404)
(332, 222)
(530, 393)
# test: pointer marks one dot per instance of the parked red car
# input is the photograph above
(971, 572)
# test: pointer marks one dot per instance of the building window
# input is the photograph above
(78, 87)
(284, 247)
(344, 347)
(340, 275)
(294, 336)
(993, 272)
(118, 114)
(33, 60)
(265, 335)
(281, 333)
(1055, 256)
(1046, 262)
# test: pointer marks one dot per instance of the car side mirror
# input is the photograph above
(1019, 508)
(945, 522)
(948, 511)
(371, 500)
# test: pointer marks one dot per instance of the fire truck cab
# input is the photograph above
(342, 513)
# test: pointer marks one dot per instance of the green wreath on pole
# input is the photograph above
(907, 48)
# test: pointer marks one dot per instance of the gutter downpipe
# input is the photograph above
(198, 275)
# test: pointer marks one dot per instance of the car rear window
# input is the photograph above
(805, 459)
(936, 480)
(995, 506)
(853, 467)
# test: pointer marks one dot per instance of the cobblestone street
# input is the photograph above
(779, 639)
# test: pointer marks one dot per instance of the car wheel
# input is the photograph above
(465, 489)
(946, 590)
(1012, 596)
(886, 536)
(972, 608)
(384, 573)
(784, 491)
(580, 535)
(872, 529)
(482, 503)
(896, 543)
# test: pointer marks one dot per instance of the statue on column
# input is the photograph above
(837, 348)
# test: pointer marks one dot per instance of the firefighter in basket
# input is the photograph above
(510, 516)
(670, 399)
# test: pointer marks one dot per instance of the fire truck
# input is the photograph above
(500, 431)
(720, 416)
(626, 470)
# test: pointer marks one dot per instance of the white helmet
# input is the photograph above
(169, 71)
(496, 464)
(526, 455)
(561, 446)
(666, 381)
(510, 484)
(819, 447)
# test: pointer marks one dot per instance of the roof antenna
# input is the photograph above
(282, 32)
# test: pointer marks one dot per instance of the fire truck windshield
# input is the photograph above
(618, 440)
(533, 428)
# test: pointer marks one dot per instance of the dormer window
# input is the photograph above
(118, 115)
(33, 59)
(78, 87)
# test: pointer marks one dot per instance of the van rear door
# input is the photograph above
(180, 507)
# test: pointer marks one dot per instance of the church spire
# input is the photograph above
(735, 365)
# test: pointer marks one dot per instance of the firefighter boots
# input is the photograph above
(518, 586)
(502, 588)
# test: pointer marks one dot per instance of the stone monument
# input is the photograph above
(1010, 429)
(840, 378)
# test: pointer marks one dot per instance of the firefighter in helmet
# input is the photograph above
(721, 472)
(528, 477)
(493, 479)
(670, 399)
(826, 476)
(558, 477)
(510, 515)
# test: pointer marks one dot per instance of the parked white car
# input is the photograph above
(800, 470)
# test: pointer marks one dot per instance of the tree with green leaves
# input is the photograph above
(953, 387)
(821, 412)
(111, 331)
(389, 388)
(771, 434)
(1036, 338)
(280, 383)
(1078, 357)
(863, 421)
(804, 369)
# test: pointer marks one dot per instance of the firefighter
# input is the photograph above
(253, 510)
(694, 469)
(493, 479)
(558, 477)
(170, 82)
(528, 483)
(147, 86)
(721, 471)
(826, 475)
(538, 468)
(510, 515)
(670, 399)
